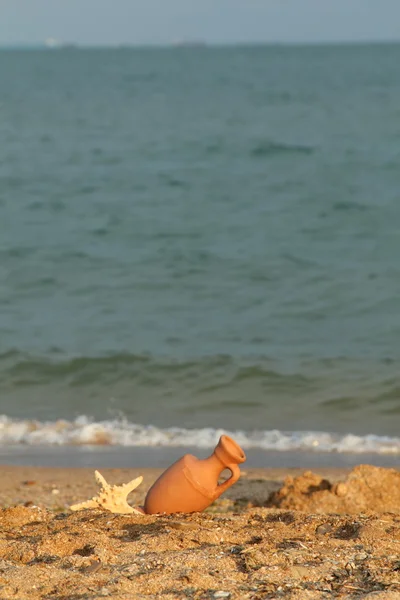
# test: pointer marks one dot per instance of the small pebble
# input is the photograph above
(95, 565)
(361, 556)
(323, 529)
(341, 490)
(350, 567)
(221, 594)
(182, 525)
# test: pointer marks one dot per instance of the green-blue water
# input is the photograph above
(201, 238)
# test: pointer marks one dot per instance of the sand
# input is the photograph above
(275, 534)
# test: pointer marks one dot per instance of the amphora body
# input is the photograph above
(191, 484)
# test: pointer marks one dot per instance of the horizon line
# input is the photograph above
(187, 44)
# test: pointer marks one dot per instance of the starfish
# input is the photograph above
(111, 497)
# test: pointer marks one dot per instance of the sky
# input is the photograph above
(110, 22)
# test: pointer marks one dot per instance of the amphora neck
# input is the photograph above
(228, 452)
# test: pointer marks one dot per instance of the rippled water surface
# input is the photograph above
(201, 239)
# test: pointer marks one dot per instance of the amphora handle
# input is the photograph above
(222, 487)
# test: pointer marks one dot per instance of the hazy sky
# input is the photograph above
(226, 21)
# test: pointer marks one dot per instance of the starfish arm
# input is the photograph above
(132, 485)
(137, 512)
(100, 480)
(88, 504)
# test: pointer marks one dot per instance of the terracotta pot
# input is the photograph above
(191, 484)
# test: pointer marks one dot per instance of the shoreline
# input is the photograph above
(127, 457)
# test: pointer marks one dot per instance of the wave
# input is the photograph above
(20, 370)
(272, 148)
(84, 431)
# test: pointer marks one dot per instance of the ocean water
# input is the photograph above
(198, 240)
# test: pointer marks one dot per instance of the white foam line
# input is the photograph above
(84, 431)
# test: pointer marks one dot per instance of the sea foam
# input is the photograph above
(84, 431)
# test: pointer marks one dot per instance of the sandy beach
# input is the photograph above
(277, 533)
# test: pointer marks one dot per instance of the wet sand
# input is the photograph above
(319, 535)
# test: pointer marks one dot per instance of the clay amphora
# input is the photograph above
(191, 484)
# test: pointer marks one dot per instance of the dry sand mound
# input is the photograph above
(366, 489)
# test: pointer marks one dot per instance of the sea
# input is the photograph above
(197, 241)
